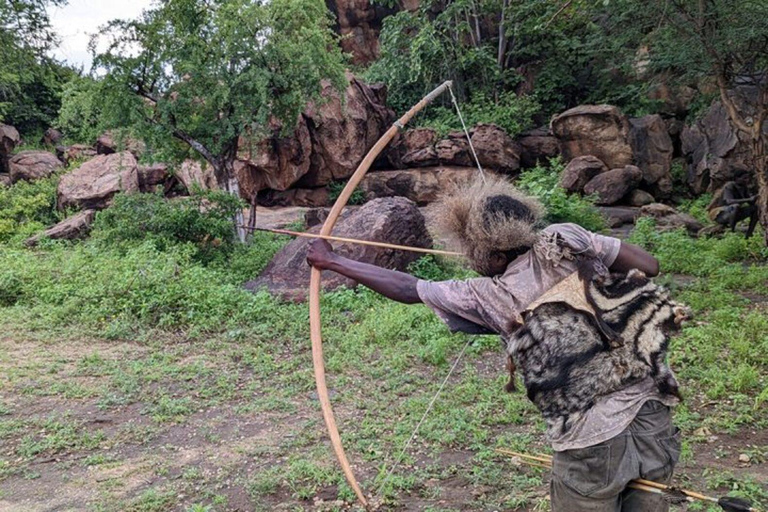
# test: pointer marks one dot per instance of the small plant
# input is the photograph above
(334, 191)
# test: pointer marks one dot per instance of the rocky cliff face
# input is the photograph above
(359, 23)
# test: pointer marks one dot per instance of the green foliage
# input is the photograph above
(180, 91)
(81, 108)
(686, 41)
(334, 191)
(680, 253)
(30, 81)
(543, 182)
(511, 112)
(203, 221)
(27, 207)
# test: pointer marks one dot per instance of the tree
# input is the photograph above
(489, 48)
(30, 81)
(195, 75)
(717, 42)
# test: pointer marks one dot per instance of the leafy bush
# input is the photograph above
(544, 183)
(511, 112)
(27, 207)
(202, 221)
(79, 117)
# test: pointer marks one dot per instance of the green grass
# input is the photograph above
(173, 345)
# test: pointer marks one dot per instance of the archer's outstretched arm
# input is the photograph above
(395, 285)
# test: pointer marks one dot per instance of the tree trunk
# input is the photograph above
(224, 170)
(761, 173)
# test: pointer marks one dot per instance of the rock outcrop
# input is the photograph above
(421, 147)
(341, 135)
(652, 150)
(610, 186)
(93, 184)
(359, 22)
(192, 174)
(310, 197)
(598, 130)
(273, 163)
(153, 176)
(393, 220)
(9, 139)
(537, 147)
(580, 171)
(714, 149)
(73, 228)
(422, 186)
(33, 165)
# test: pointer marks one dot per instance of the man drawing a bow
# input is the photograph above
(591, 347)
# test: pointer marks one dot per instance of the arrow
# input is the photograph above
(675, 495)
(360, 242)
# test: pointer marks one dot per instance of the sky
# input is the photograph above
(75, 22)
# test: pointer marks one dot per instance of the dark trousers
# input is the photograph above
(594, 479)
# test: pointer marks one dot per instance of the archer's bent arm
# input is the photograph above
(394, 285)
(631, 256)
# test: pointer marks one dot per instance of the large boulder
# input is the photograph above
(193, 174)
(495, 149)
(9, 139)
(422, 186)
(610, 186)
(109, 142)
(73, 228)
(276, 162)
(343, 132)
(667, 218)
(93, 184)
(421, 147)
(537, 147)
(308, 197)
(653, 151)
(394, 220)
(580, 171)
(714, 149)
(413, 148)
(33, 165)
(598, 130)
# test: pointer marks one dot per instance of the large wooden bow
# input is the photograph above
(314, 287)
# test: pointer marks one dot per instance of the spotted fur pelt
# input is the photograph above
(568, 361)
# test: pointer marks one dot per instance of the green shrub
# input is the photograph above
(27, 207)
(203, 221)
(543, 182)
(513, 113)
(679, 253)
(336, 187)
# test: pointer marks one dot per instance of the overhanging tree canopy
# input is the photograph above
(196, 74)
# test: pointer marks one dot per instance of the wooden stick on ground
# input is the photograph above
(361, 242)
